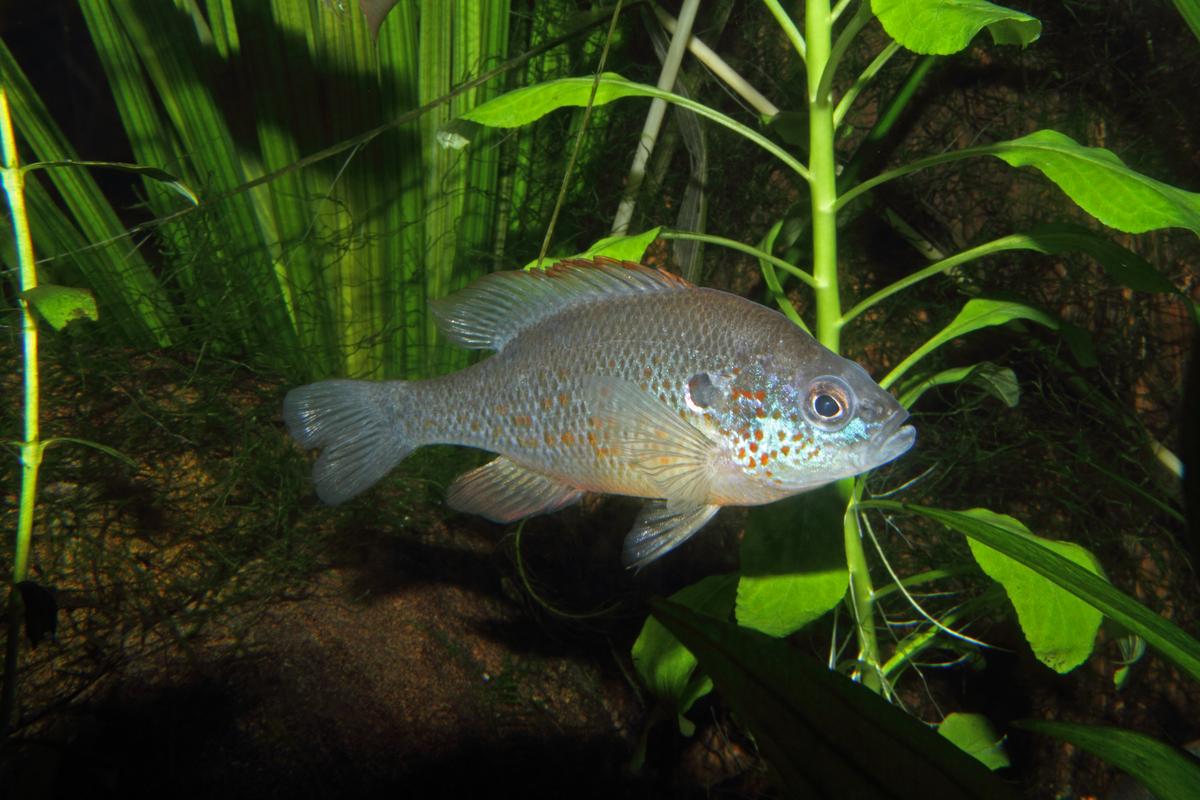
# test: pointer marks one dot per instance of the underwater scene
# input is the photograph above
(740, 399)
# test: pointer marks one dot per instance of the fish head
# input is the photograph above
(789, 423)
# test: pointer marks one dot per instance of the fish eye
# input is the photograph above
(827, 406)
(829, 403)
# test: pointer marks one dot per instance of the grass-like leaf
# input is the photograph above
(825, 735)
(1164, 636)
(1169, 773)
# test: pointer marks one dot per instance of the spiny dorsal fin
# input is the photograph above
(495, 308)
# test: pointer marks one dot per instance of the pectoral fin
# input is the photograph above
(669, 451)
(504, 491)
(660, 528)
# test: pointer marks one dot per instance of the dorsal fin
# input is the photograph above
(495, 308)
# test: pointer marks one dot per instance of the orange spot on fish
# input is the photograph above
(769, 474)
(736, 371)
(563, 398)
(612, 363)
(645, 386)
(760, 395)
(568, 438)
(547, 403)
(647, 372)
(708, 417)
(751, 463)
(785, 449)
(662, 397)
(758, 434)
(501, 408)
(754, 447)
(763, 459)
(665, 460)
(782, 435)
(741, 452)
(591, 438)
(797, 437)
(760, 413)
(522, 420)
(776, 414)
(475, 425)
(550, 440)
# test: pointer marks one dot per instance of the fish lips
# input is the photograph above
(894, 439)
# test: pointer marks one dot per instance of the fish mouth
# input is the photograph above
(895, 438)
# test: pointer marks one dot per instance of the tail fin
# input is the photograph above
(360, 426)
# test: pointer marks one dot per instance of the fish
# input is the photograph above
(612, 377)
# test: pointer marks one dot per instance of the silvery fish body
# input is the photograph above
(618, 378)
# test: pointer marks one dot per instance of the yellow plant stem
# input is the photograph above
(31, 446)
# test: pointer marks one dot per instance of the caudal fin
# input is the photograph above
(359, 426)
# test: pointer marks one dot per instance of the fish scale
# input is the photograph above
(617, 378)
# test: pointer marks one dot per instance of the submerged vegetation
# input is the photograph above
(287, 184)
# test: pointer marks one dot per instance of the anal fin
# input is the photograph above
(660, 528)
(504, 491)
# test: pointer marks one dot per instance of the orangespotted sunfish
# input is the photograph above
(612, 377)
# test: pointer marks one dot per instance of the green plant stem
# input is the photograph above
(788, 26)
(916, 166)
(1016, 241)
(911, 646)
(822, 168)
(31, 447)
(733, 244)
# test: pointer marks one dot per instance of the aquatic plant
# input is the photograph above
(1057, 589)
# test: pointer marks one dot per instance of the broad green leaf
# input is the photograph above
(941, 27)
(974, 734)
(1059, 626)
(1121, 264)
(665, 666)
(793, 562)
(622, 248)
(153, 173)
(977, 313)
(999, 382)
(1169, 773)
(1102, 185)
(1164, 636)
(825, 735)
(531, 103)
(59, 305)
